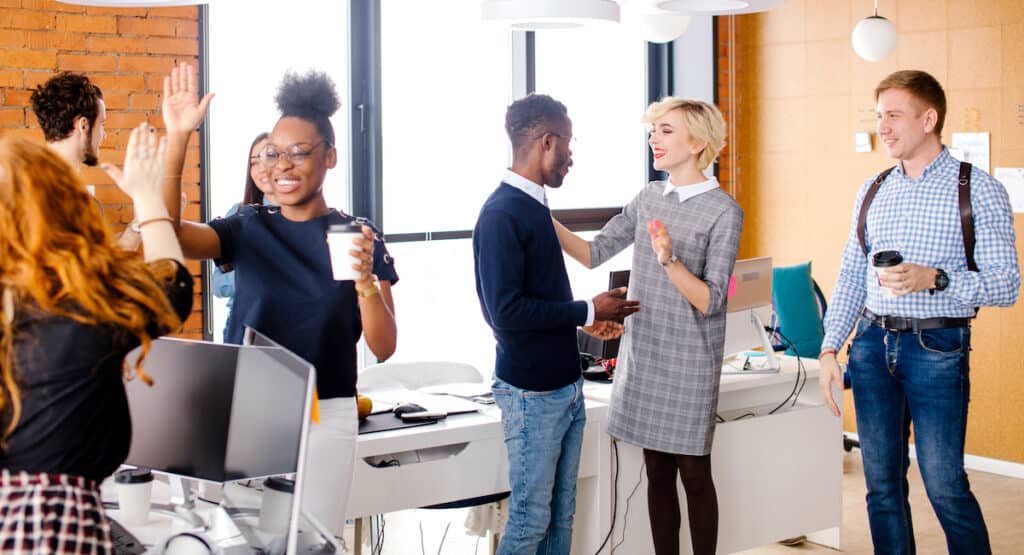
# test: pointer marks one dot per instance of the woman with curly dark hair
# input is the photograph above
(285, 287)
(74, 304)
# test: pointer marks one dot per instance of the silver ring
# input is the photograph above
(143, 155)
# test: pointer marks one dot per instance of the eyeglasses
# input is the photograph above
(295, 154)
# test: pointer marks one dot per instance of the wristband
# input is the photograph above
(154, 220)
(826, 352)
(370, 291)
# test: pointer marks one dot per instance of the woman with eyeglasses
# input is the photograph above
(285, 288)
(685, 234)
(72, 305)
(258, 190)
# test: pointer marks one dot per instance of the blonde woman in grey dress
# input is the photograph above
(686, 232)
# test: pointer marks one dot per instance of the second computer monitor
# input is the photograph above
(218, 412)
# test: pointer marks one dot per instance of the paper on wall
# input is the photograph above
(1013, 180)
(973, 148)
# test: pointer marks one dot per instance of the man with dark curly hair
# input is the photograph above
(71, 111)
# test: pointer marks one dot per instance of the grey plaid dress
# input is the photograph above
(670, 360)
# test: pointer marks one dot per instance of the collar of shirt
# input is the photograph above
(526, 186)
(943, 158)
(689, 191)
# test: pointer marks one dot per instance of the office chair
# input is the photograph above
(417, 375)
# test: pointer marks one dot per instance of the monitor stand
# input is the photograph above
(183, 500)
(772, 365)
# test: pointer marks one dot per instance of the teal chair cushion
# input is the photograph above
(796, 306)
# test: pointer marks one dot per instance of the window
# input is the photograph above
(599, 73)
(251, 46)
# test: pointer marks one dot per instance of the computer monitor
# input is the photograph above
(749, 308)
(223, 412)
(606, 349)
(206, 417)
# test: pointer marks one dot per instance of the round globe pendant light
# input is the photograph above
(874, 37)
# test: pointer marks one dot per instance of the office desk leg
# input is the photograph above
(358, 537)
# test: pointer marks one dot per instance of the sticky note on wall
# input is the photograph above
(732, 288)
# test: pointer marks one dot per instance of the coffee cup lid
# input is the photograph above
(133, 476)
(887, 258)
(345, 228)
(280, 484)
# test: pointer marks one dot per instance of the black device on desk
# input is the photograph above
(124, 542)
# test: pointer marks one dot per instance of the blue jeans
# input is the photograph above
(543, 436)
(922, 378)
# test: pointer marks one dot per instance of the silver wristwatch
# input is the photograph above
(671, 260)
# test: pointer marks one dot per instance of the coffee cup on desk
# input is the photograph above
(881, 262)
(339, 243)
(134, 490)
(275, 508)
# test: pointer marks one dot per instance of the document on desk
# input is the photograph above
(447, 404)
(465, 390)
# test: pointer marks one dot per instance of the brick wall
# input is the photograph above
(126, 52)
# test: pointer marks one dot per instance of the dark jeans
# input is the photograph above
(922, 378)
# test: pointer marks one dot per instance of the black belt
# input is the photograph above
(899, 323)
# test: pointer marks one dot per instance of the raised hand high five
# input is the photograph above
(183, 111)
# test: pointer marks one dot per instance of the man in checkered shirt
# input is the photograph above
(909, 355)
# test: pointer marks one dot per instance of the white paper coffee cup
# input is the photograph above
(275, 508)
(881, 261)
(134, 491)
(339, 242)
(886, 292)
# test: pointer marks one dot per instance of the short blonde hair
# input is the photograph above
(703, 121)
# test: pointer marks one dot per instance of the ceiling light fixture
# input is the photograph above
(536, 15)
(644, 19)
(718, 7)
(136, 3)
(874, 37)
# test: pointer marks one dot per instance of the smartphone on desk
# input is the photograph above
(423, 416)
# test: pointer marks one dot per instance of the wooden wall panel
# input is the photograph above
(801, 95)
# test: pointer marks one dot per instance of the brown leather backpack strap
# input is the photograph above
(966, 216)
(862, 219)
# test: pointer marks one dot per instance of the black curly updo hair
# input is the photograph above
(312, 97)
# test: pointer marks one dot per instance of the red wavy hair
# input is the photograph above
(57, 256)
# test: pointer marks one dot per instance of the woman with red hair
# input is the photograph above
(73, 305)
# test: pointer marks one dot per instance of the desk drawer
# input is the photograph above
(453, 472)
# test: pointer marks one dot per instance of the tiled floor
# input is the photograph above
(1001, 498)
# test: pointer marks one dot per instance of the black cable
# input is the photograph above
(799, 370)
(615, 496)
(625, 514)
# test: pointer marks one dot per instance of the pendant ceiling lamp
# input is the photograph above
(718, 7)
(874, 37)
(651, 23)
(535, 15)
(136, 3)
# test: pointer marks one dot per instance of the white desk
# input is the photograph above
(777, 476)
(464, 456)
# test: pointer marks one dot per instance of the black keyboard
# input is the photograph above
(124, 542)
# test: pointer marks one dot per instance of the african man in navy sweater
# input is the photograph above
(526, 299)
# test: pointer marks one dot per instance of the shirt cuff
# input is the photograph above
(590, 313)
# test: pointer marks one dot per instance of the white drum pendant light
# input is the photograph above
(136, 3)
(535, 15)
(874, 37)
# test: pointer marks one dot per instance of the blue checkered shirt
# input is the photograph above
(921, 219)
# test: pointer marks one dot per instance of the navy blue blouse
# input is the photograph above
(284, 289)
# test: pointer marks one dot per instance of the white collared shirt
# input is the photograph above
(525, 185)
(538, 193)
(689, 191)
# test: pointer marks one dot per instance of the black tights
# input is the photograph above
(663, 501)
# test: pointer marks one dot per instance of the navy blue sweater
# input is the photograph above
(524, 292)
